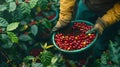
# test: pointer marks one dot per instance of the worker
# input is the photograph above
(104, 13)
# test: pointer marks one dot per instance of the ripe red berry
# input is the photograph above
(33, 23)
(71, 41)
(26, 1)
(0, 30)
(51, 17)
(26, 33)
(17, 2)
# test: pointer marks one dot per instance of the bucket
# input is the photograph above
(75, 54)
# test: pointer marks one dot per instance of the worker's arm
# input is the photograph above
(65, 15)
(112, 16)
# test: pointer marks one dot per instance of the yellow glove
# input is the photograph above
(65, 15)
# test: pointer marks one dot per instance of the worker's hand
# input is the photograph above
(98, 27)
(60, 24)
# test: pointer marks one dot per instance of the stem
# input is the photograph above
(5, 55)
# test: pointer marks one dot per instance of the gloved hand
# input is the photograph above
(98, 27)
(60, 24)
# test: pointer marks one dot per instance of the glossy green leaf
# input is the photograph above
(3, 22)
(13, 37)
(28, 58)
(46, 57)
(7, 44)
(34, 29)
(54, 59)
(9, 1)
(37, 65)
(25, 37)
(3, 7)
(25, 8)
(12, 6)
(23, 46)
(12, 26)
(42, 4)
(33, 3)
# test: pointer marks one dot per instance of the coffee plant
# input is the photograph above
(21, 29)
(25, 37)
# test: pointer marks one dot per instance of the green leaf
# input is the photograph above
(43, 4)
(13, 37)
(28, 58)
(7, 44)
(46, 57)
(37, 65)
(23, 46)
(104, 58)
(4, 36)
(5, 41)
(54, 59)
(45, 45)
(17, 15)
(25, 8)
(34, 29)
(12, 6)
(33, 3)
(3, 7)
(46, 24)
(20, 1)
(1, 14)
(25, 37)
(9, 1)
(3, 22)
(12, 26)
(114, 52)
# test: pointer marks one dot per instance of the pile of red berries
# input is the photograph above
(71, 41)
(51, 17)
